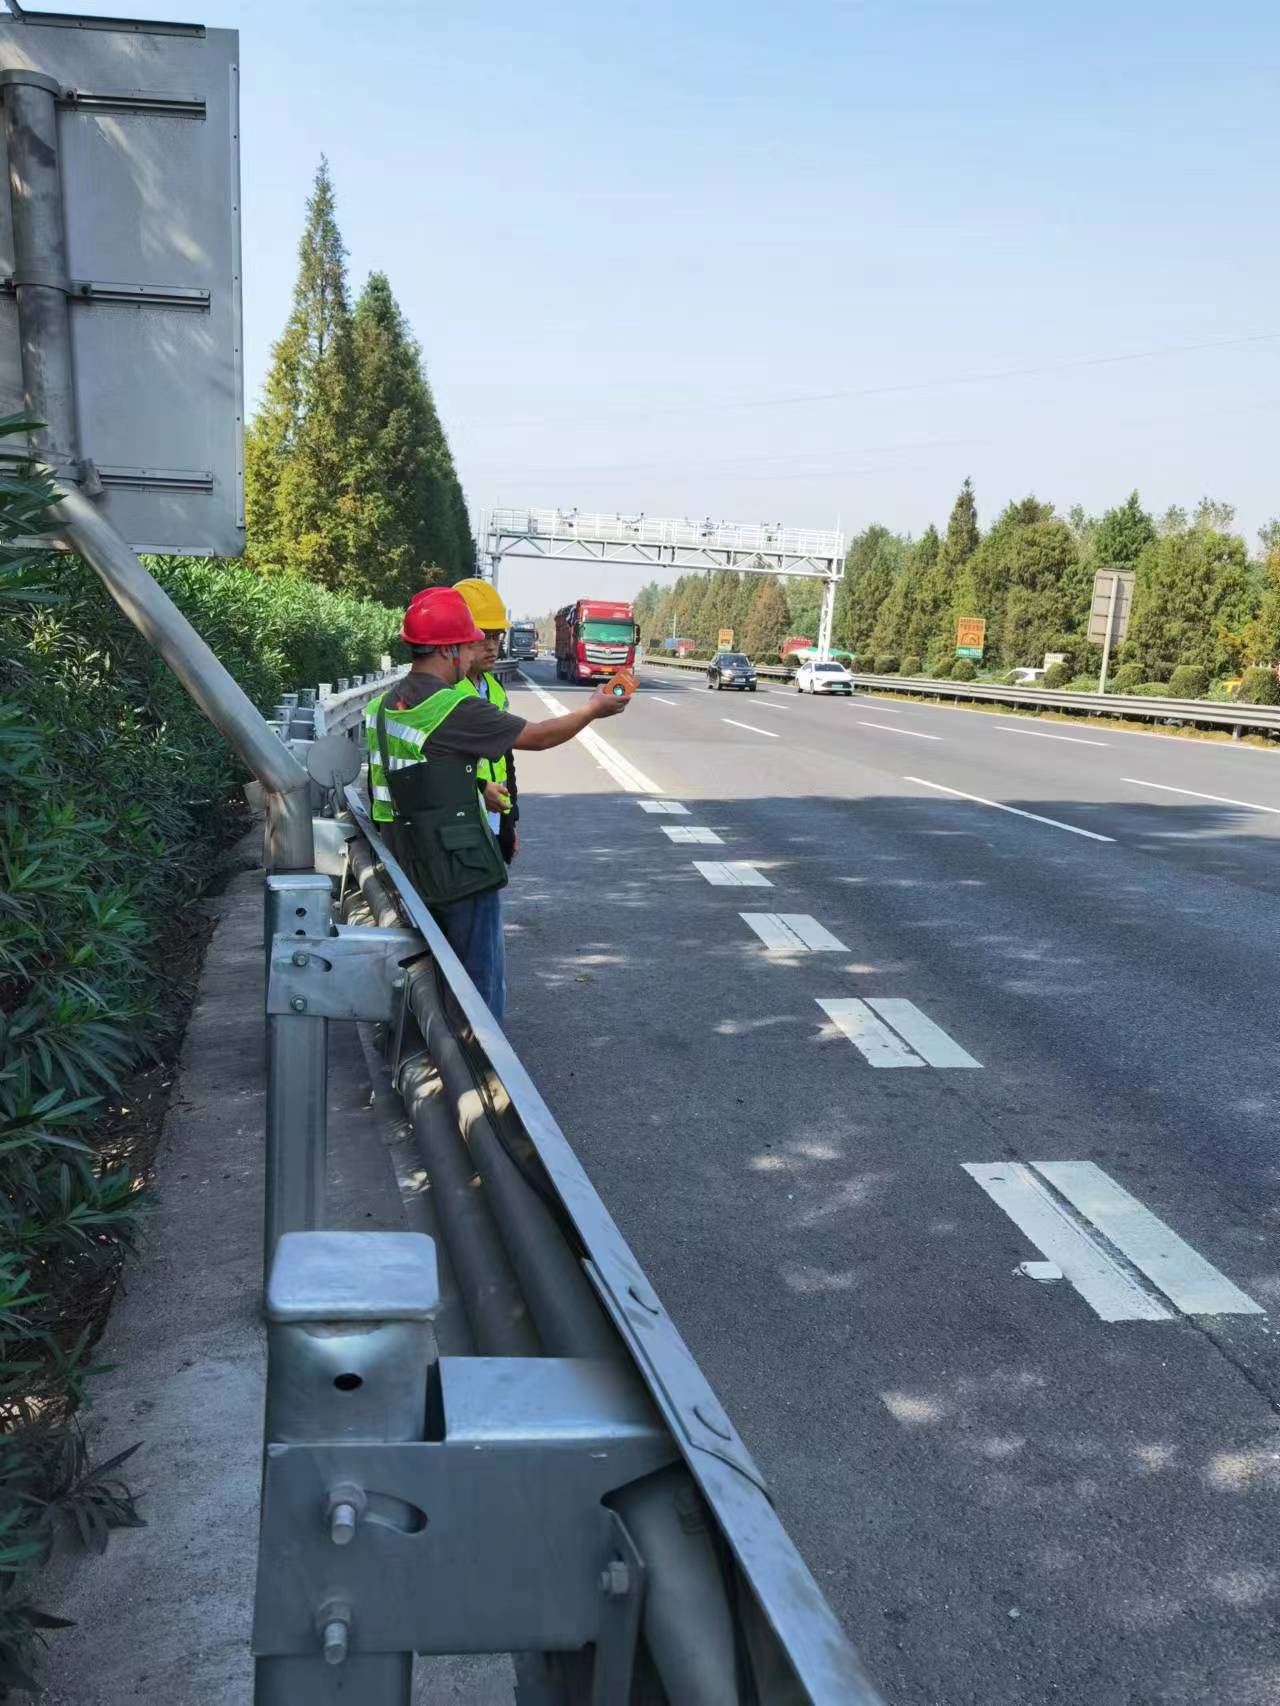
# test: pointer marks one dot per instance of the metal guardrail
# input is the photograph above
(486, 1434)
(1218, 714)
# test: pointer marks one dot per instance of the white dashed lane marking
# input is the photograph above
(893, 729)
(793, 933)
(1194, 793)
(1106, 1242)
(732, 873)
(996, 805)
(1039, 734)
(894, 1033)
(685, 832)
(751, 728)
(661, 700)
(672, 808)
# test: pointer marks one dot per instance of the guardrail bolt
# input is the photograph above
(301, 959)
(615, 1580)
(334, 1624)
(298, 1005)
(347, 1504)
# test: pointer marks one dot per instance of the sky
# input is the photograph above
(811, 263)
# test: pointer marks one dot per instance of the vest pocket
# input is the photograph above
(454, 855)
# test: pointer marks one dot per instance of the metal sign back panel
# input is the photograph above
(1104, 582)
(148, 142)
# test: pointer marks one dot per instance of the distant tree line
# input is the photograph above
(1202, 602)
(349, 480)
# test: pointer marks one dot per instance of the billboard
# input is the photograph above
(724, 641)
(971, 635)
(147, 144)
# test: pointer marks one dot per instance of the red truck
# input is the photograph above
(593, 638)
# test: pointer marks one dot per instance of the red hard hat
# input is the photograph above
(439, 617)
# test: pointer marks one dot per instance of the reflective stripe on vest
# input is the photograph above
(407, 733)
(491, 769)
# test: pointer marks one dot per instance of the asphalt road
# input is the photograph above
(1009, 1498)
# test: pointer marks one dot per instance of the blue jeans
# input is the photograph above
(473, 928)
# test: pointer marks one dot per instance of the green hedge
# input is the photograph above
(1259, 687)
(116, 794)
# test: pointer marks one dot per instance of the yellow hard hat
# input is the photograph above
(483, 602)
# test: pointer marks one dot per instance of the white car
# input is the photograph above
(823, 678)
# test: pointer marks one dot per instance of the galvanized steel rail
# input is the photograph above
(1263, 719)
(548, 1473)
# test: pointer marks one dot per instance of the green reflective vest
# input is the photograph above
(493, 770)
(407, 733)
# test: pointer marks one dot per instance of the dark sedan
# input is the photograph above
(731, 669)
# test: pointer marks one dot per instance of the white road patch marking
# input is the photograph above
(1075, 740)
(1191, 1284)
(685, 832)
(1220, 799)
(610, 760)
(661, 700)
(869, 1035)
(672, 808)
(772, 733)
(929, 1041)
(792, 933)
(996, 805)
(892, 729)
(1110, 1291)
(732, 873)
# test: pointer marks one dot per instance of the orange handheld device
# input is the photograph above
(622, 686)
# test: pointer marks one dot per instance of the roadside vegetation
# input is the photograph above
(1205, 620)
(116, 798)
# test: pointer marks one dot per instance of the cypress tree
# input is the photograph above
(298, 466)
(870, 567)
(767, 620)
(939, 590)
(411, 529)
(921, 612)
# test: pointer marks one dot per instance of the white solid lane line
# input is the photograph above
(610, 760)
(684, 832)
(750, 727)
(1076, 740)
(1109, 1289)
(732, 873)
(893, 729)
(929, 1041)
(792, 933)
(996, 805)
(1189, 1282)
(1220, 799)
(672, 808)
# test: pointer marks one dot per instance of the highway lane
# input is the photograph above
(1009, 1498)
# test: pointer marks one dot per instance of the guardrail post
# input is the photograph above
(350, 1351)
(298, 903)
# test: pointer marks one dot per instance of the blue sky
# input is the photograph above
(763, 262)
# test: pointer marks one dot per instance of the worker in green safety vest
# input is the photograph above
(490, 614)
(427, 737)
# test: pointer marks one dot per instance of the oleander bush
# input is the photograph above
(116, 793)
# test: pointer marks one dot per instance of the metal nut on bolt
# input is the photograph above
(301, 959)
(298, 1004)
(615, 1579)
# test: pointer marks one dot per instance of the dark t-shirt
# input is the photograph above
(473, 729)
